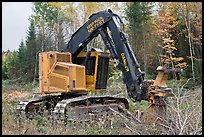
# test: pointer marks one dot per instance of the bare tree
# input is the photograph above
(186, 16)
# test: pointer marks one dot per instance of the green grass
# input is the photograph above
(10, 86)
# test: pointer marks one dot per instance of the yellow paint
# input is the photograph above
(124, 62)
(97, 22)
(91, 80)
(58, 74)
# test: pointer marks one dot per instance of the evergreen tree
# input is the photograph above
(50, 22)
(4, 71)
(31, 53)
(22, 61)
(138, 15)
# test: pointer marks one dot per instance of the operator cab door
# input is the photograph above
(96, 69)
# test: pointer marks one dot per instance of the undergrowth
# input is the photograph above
(184, 113)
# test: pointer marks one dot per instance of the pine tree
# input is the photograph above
(4, 70)
(22, 60)
(139, 16)
(31, 53)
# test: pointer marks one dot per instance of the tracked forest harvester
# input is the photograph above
(67, 77)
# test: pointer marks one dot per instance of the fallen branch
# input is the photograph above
(127, 113)
(131, 129)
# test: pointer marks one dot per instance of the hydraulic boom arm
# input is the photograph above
(104, 23)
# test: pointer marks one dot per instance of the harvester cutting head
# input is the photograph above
(157, 94)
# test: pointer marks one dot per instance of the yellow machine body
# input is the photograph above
(92, 77)
(57, 73)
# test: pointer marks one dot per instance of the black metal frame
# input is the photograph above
(118, 46)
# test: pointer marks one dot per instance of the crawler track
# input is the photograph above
(81, 108)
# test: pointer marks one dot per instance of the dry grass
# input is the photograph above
(184, 117)
(185, 113)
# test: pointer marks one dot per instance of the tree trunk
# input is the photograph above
(145, 56)
(188, 26)
(42, 42)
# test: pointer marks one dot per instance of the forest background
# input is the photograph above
(160, 33)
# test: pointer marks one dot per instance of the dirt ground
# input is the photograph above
(16, 95)
(41, 126)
